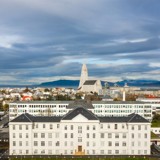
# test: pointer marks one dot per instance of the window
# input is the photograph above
(71, 135)
(132, 127)
(35, 151)
(42, 143)
(71, 127)
(49, 143)
(35, 135)
(109, 151)
(115, 126)
(145, 127)
(132, 135)
(57, 125)
(116, 151)
(93, 151)
(116, 135)
(20, 143)
(145, 135)
(27, 151)
(49, 152)
(43, 151)
(49, 135)
(36, 125)
(57, 135)
(35, 143)
(102, 143)
(26, 135)
(26, 143)
(124, 135)
(26, 127)
(71, 143)
(109, 135)
(87, 144)
(44, 126)
(20, 135)
(94, 135)
(132, 144)
(94, 127)
(87, 135)
(65, 135)
(139, 143)
(57, 143)
(79, 129)
(65, 143)
(139, 127)
(20, 127)
(108, 126)
(101, 126)
(116, 143)
(42, 135)
(109, 143)
(122, 126)
(123, 143)
(102, 151)
(13, 127)
(102, 135)
(51, 126)
(14, 135)
(79, 139)
(20, 151)
(87, 127)
(14, 143)
(65, 127)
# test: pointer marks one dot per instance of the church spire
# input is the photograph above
(84, 75)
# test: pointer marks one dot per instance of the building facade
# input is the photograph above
(99, 108)
(79, 132)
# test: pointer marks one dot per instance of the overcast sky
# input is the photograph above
(46, 40)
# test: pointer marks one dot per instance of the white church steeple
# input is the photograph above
(84, 75)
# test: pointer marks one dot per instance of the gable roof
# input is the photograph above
(80, 103)
(132, 118)
(29, 118)
(90, 82)
(80, 110)
(23, 118)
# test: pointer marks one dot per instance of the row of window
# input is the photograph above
(50, 152)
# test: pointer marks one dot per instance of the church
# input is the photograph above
(86, 85)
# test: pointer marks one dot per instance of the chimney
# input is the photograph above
(124, 95)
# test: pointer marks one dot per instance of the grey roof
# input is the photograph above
(80, 110)
(80, 103)
(29, 118)
(118, 102)
(132, 118)
(90, 82)
(42, 102)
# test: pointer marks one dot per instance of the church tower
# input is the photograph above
(84, 75)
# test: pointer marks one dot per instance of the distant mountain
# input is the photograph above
(75, 83)
(61, 83)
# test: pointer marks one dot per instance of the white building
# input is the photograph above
(155, 103)
(100, 108)
(79, 132)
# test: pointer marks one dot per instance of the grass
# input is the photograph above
(132, 158)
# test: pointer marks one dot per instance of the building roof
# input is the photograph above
(29, 118)
(132, 118)
(80, 110)
(80, 103)
(90, 82)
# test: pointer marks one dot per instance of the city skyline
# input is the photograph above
(49, 40)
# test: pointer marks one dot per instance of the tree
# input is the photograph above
(5, 107)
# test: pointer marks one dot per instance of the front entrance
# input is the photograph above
(79, 148)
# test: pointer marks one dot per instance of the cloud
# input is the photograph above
(44, 40)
